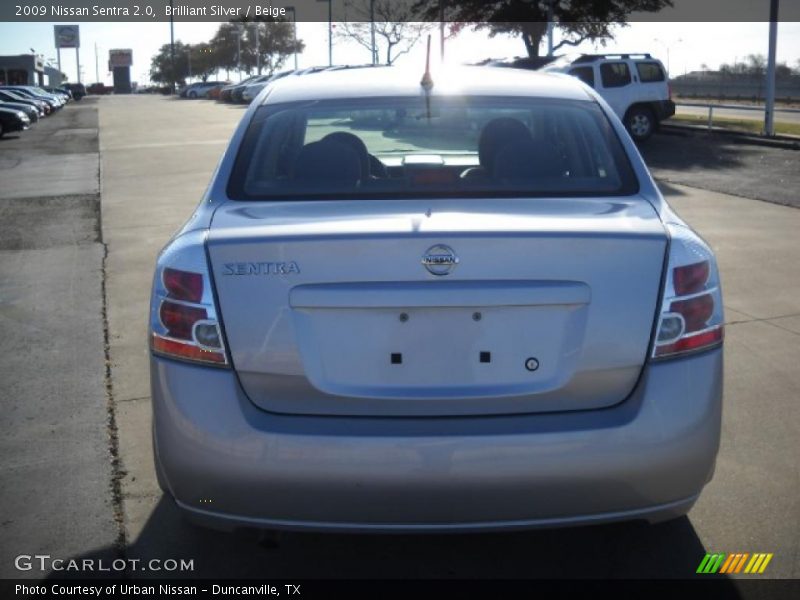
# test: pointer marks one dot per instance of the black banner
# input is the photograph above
(147, 11)
(705, 588)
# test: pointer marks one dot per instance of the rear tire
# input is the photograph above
(1, 130)
(640, 123)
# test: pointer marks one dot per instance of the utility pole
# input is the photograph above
(96, 64)
(294, 32)
(441, 30)
(239, 50)
(550, 27)
(172, 48)
(189, 55)
(372, 31)
(258, 49)
(330, 31)
(769, 111)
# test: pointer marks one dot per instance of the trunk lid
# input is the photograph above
(328, 308)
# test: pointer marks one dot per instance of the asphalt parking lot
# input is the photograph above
(75, 271)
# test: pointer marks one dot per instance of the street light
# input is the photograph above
(372, 31)
(239, 50)
(330, 31)
(294, 32)
(666, 46)
(258, 48)
(171, 49)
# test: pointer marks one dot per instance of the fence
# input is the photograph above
(735, 89)
(737, 107)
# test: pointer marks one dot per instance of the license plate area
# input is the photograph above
(439, 352)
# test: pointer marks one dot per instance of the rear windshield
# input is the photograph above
(430, 147)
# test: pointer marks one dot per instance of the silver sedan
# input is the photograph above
(452, 304)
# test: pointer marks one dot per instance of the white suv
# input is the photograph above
(634, 85)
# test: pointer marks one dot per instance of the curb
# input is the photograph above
(784, 142)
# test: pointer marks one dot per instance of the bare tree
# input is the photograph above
(395, 32)
(757, 64)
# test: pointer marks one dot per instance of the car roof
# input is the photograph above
(394, 81)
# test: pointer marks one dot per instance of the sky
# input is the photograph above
(682, 46)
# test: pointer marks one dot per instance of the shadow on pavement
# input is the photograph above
(692, 151)
(669, 191)
(627, 550)
(723, 164)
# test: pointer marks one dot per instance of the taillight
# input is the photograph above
(183, 314)
(691, 310)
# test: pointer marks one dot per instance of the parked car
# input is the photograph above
(214, 93)
(41, 106)
(78, 90)
(100, 89)
(182, 90)
(66, 95)
(200, 89)
(238, 91)
(250, 91)
(31, 92)
(226, 93)
(455, 305)
(634, 85)
(12, 120)
(31, 111)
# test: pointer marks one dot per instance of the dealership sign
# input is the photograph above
(67, 36)
(120, 58)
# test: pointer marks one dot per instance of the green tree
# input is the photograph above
(577, 20)
(275, 44)
(203, 60)
(224, 45)
(161, 65)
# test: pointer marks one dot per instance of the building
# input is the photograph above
(24, 69)
(54, 77)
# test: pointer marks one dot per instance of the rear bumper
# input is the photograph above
(229, 464)
(664, 109)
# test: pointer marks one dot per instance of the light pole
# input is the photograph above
(258, 48)
(239, 50)
(294, 32)
(769, 109)
(666, 47)
(172, 48)
(372, 31)
(441, 30)
(330, 31)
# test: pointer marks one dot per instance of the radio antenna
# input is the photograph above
(427, 80)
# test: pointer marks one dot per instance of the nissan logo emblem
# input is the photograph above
(440, 260)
